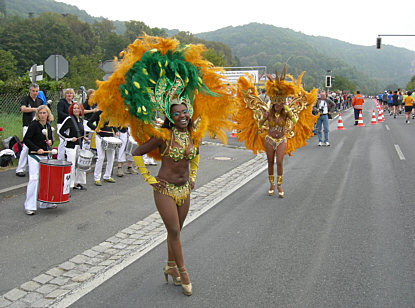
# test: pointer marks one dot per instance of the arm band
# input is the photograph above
(139, 162)
(290, 114)
(194, 165)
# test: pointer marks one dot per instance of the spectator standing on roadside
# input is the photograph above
(263, 96)
(357, 103)
(324, 106)
(63, 113)
(28, 106)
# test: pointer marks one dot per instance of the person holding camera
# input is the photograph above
(325, 107)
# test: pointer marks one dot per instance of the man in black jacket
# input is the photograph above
(28, 107)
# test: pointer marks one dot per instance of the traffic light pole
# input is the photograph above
(379, 38)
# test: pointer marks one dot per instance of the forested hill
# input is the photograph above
(261, 44)
(23, 8)
(368, 68)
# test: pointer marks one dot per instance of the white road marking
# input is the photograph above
(400, 154)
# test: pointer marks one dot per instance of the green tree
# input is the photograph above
(84, 71)
(3, 11)
(411, 84)
(134, 29)
(110, 43)
(7, 65)
(216, 58)
(21, 38)
(343, 84)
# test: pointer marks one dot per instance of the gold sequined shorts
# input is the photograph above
(178, 193)
(274, 142)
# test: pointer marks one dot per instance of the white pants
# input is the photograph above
(33, 185)
(122, 157)
(110, 154)
(77, 176)
(61, 146)
(21, 167)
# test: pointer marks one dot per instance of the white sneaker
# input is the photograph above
(327, 144)
(320, 144)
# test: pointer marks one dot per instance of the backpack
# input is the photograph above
(16, 145)
(6, 157)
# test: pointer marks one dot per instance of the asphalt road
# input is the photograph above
(342, 237)
(32, 244)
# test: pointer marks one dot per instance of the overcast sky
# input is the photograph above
(354, 21)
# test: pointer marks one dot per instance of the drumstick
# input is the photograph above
(53, 152)
(45, 132)
(104, 131)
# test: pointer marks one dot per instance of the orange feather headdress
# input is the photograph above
(154, 73)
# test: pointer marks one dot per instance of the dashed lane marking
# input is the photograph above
(400, 154)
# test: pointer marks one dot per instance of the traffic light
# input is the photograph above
(378, 42)
(328, 81)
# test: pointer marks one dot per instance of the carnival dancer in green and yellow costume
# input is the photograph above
(278, 128)
(159, 78)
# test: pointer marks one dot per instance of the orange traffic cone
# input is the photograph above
(360, 121)
(380, 115)
(233, 135)
(340, 123)
(373, 118)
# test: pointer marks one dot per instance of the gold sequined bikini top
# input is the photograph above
(273, 123)
(183, 140)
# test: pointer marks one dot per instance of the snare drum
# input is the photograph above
(131, 146)
(84, 160)
(54, 181)
(110, 143)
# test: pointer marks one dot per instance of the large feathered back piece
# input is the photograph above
(152, 74)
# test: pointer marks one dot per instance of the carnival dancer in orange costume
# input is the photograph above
(278, 128)
(158, 77)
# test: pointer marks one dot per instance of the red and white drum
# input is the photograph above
(54, 181)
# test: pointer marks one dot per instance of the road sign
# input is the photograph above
(234, 75)
(36, 70)
(108, 66)
(56, 66)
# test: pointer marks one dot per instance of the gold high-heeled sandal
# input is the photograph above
(279, 182)
(271, 181)
(176, 280)
(186, 288)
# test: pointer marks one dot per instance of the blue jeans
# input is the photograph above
(323, 119)
(356, 116)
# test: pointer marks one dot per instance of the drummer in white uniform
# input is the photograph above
(122, 155)
(105, 132)
(72, 131)
(39, 140)
(88, 112)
